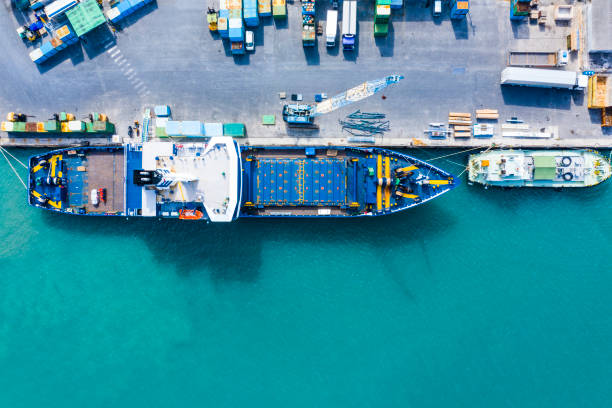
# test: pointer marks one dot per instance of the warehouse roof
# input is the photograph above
(600, 26)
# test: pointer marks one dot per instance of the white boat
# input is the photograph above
(538, 168)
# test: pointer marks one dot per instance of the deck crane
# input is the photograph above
(303, 115)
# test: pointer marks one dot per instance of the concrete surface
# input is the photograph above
(166, 55)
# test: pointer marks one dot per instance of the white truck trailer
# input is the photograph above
(331, 28)
(349, 24)
(544, 78)
(538, 59)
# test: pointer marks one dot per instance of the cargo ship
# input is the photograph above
(219, 181)
(538, 168)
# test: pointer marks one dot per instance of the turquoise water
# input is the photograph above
(481, 298)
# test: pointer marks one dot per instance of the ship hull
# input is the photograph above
(283, 182)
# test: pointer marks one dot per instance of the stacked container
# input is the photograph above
(279, 9)
(382, 15)
(236, 26)
(519, 9)
(459, 9)
(308, 23)
(251, 16)
(213, 129)
(222, 21)
(397, 4)
(124, 9)
(264, 7)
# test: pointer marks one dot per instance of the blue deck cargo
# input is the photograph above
(251, 15)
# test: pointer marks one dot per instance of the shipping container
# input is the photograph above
(213, 129)
(76, 126)
(233, 129)
(52, 126)
(265, 8)
(236, 30)
(251, 14)
(31, 127)
(7, 126)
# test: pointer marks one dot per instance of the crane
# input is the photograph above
(304, 114)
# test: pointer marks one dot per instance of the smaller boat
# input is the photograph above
(538, 168)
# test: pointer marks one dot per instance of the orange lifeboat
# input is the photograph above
(185, 214)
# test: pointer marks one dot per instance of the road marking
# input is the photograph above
(117, 51)
(129, 71)
(111, 49)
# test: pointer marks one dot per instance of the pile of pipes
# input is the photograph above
(363, 126)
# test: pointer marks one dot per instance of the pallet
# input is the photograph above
(487, 114)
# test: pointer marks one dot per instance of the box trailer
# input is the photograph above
(331, 28)
(538, 59)
(544, 78)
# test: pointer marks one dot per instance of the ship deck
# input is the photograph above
(97, 169)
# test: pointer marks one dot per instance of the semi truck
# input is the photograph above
(331, 28)
(544, 78)
(349, 24)
(538, 59)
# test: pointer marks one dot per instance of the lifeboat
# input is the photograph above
(186, 214)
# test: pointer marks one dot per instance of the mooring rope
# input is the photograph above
(16, 159)
(14, 171)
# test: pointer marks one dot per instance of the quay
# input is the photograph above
(166, 54)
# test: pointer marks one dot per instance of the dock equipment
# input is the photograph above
(459, 8)
(212, 17)
(307, 113)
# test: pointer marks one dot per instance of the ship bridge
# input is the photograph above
(190, 180)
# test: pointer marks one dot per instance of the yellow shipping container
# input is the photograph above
(65, 127)
(7, 126)
(40, 126)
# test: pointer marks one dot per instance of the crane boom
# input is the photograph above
(354, 94)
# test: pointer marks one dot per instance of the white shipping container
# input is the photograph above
(235, 23)
(213, 129)
(36, 54)
(7, 126)
(76, 126)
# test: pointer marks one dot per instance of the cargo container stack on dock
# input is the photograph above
(279, 9)
(519, 9)
(166, 127)
(251, 14)
(382, 16)
(308, 23)
(64, 36)
(60, 124)
(459, 9)
(222, 21)
(236, 27)
(125, 8)
(265, 8)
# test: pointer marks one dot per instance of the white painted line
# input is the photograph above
(129, 71)
(119, 58)
(120, 63)
(140, 85)
(117, 51)
(111, 49)
(106, 47)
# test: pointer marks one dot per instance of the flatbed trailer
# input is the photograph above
(537, 59)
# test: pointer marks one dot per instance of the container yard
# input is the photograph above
(518, 73)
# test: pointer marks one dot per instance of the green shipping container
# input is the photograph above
(233, 129)
(279, 12)
(380, 30)
(52, 126)
(103, 127)
(89, 127)
(160, 132)
(19, 127)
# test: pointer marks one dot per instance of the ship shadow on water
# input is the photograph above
(233, 252)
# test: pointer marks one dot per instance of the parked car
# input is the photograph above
(249, 41)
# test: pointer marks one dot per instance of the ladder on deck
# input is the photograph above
(301, 182)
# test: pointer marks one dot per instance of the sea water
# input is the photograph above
(480, 298)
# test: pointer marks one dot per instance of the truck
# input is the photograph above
(349, 24)
(331, 28)
(538, 59)
(544, 78)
